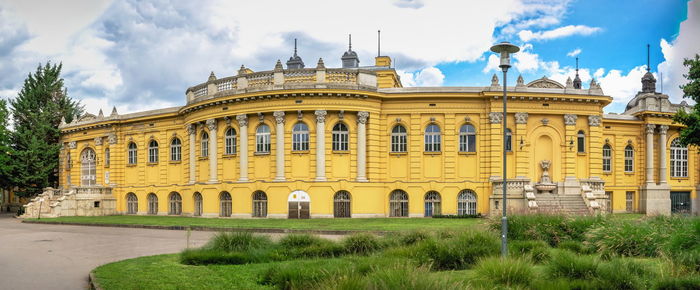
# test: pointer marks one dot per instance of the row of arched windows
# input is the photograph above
(432, 139)
(398, 204)
(679, 159)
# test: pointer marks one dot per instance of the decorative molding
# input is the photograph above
(650, 128)
(663, 129)
(227, 119)
(242, 120)
(545, 121)
(72, 145)
(494, 81)
(398, 120)
(321, 116)
(341, 115)
(98, 141)
(467, 119)
(495, 117)
(362, 117)
(211, 125)
(261, 117)
(570, 119)
(432, 119)
(300, 115)
(279, 117)
(112, 138)
(594, 120)
(191, 129)
(545, 83)
(521, 117)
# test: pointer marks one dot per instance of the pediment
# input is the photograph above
(545, 83)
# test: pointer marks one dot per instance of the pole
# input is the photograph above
(504, 219)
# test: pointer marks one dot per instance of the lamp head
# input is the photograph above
(505, 49)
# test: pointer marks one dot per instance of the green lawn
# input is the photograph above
(360, 224)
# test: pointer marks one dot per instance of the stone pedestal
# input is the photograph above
(570, 185)
(655, 199)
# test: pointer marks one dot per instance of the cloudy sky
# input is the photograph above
(141, 55)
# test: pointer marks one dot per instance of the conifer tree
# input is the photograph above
(690, 135)
(5, 149)
(37, 112)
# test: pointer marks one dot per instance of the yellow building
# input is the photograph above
(352, 142)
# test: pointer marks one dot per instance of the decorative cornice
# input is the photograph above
(320, 116)
(279, 117)
(650, 128)
(362, 117)
(663, 129)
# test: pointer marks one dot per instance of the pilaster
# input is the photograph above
(595, 147)
(663, 129)
(321, 145)
(496, 147)
(191, 131)
(362, 145)
(522, 168)
(571, 146)
(213, 156)
(450, 143)
(279, 148)
(243, 147)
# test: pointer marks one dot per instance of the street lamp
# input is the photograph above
(505, 49)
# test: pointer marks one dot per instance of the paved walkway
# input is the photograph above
(39, 256)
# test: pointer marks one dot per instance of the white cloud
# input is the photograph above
(492, 64)
(574, 52)
(622, 87)
(415, 4)
(427, 77)
(684, 46)
(569, 30)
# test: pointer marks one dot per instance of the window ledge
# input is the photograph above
(152, 163)
(300, 152)
(581, 153)
(398, 153)
(341, 152)
(607, 172)
(432, 152)
(629, 173)
(229, 155)
(131, 165)
(175, 162)
(680, 178)
(106, 166)
(467, 153)
(261, 153)
(202, 157)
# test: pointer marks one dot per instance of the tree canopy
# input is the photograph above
(690, 135)
(5, 149)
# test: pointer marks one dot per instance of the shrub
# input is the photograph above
(324, 249)
(504, 272)
(574, 246)
(680, 283)
(458, 253)
(537, 251)
(413, 237)
(217, 257)
(549, 228)
(684, 245)
(361, 244)
(624, 274)
(238, 241)
(565, 264)
(395, 276)
(299, 241)
(457, 216)
(290, 276)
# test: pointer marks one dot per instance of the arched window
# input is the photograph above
(341, 137)
(132, 153)
(432, 138)
(262, 139)
(341, 204)
(581, 142)
(466, 202)
(225, 205)
(398, 139)
(132, 203)
(107, 157)
(153, 151)
(197, 204)
(467, 138)
(679, 159)
(152, 203)
(607, 158)
(259, 204)
(176, 150)
(629, 158)
(204, 145)
(175, 204)
(398, 203)
(230, 142)
(300, 137)
(509, 140)
(87, 167)
(432, 203)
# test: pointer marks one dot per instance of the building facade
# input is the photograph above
(352, 142)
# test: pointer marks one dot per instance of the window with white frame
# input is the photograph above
(153, 151)
(341, 136)
(581, 142)
(432, 138)
(509, 140)
(259, 204)
(230, 142)
(398, 203)
(432, 203)
(204, 145)
(175, 204)
(87, 167)
(679, 159)
(225, 204)
(152, 204)
(132, 153)
(398, 139)
(467, 138)
(262, 139)
(629, 158)
(176, 150)
(132, 203)
(300, 137)
(607, 158)
(466, 202)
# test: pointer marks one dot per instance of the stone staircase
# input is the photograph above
(568, 204)
(74, 201)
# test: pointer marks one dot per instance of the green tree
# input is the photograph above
(690, 135)
(5, 149)
(37, 112)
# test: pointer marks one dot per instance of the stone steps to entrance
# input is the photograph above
(562, 204)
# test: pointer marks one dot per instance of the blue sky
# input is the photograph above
(140, 55)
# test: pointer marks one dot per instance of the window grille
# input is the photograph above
(204, 147)
(259, 204)
(175, 207)
(629, 159)
(607, 158)
(132, 203)
(152, 204)
(398, 139)
(197, 204)
(581, 142)
(132, 153)
(432, 138)
(225, 204)
(153, 151)
(432, 203)
(398, 204)
(176, 150)
(466, 202)
(300, 137)
(341, 204)
(230, 142)
(87, 167)
(679, 159)
(262, 139)
(341, 137)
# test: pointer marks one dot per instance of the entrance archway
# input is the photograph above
(299, 204)
(87, 167)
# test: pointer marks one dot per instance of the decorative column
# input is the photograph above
(243, 158)
(662, 153)
(571, 146)
(362, 145)
(279, 150)
(191, 130)
(595, 145)
(213, 144)
(650, 153)
(320, 145)
(496, 144)
(521, 161)
(99, 155)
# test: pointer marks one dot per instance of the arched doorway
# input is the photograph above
(299, 205)
(341, 204)
(87, 167)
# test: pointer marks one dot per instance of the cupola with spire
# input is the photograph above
(648, 80)
(577, 79)
(350, 59)
(295, 61)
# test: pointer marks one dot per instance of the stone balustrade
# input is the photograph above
(93, 190)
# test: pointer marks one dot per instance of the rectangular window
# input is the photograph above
(629, 201)
(629, 161)
(230, 145)
(107, 157)
(398, 142)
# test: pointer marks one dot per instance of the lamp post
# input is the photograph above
(505, 49)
